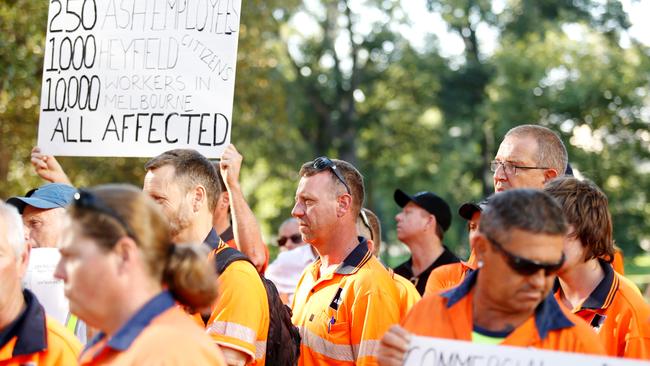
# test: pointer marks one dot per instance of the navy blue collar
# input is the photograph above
(134, 326)
(548, 315)
(227, 234)
(29, 328)
(598, 297)
(212, 240)
(357, 258)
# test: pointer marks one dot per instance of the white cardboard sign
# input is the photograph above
(138, 77)
(425, 351)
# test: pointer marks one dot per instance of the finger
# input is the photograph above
(38, 163)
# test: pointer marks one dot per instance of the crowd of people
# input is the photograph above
(178, 272)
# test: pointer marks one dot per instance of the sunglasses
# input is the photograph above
(295, 238)
(527, 267)
(86, 200)
(323, 162)
(364, 218)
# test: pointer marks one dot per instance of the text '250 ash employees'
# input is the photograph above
(528, 157)
(185, 184)
(119, 238)
(421, 226)
(508, 299)
(27, 335)
(587, 283)
(346, 300)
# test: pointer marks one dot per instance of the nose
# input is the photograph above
(297, 210)
(537, 280)
(398, 217)
(500, 173)
(59, 272)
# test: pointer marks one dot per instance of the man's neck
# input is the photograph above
(577, 283)
(488, 315)
(424, 251)
(335, 249)
(11, 311)
(197, 231)
(221, 222)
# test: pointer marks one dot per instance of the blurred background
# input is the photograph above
(416, 93)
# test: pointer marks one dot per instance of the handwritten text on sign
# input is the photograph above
(138, 77)
(443, 352)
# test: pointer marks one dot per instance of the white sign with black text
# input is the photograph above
(138, 77)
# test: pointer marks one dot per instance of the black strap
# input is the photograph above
(227, 256)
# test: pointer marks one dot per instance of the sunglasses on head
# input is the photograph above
(323, 162)
(527, 267)
(295, 238)
(86, 200)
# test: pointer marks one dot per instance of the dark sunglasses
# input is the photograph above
(86, 200)
(295, 238)
(364, 218)
(527, 267)
(323, 162)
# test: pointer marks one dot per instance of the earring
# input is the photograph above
(480, 264)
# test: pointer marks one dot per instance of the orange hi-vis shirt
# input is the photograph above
(228, 237)
(619, 315)
(617, 262)
(450, 275)
(408, 294)
(449, 315)
(36, 339)
(343, 314)
(240, 316)
(158, 334)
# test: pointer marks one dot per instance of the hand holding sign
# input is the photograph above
(48, 168)
(394, 345)
(230, 165)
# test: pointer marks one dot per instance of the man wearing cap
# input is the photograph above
(421, 226)
(43, 213)
(450, 275)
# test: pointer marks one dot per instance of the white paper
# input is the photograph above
(443, 352)
(39, 279)
(138, 77)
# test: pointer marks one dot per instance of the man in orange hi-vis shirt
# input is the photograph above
(346, 300)
(587, 283)
(507, 299)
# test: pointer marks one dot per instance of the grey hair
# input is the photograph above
(14, 227)
(551, 151)
(526, 209)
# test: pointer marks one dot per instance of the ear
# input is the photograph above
(480, 244)
(550, 174)
(224, 199)
(199, 198)
(125, 251)
(343, 204)
(23, 261)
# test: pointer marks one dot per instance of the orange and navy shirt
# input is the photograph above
(240, 316)
(36, 339)
(228, 237)
(619, 315)
(343, 314)
(159, 333)
(408, 294)
(450, 275)
(449, 315)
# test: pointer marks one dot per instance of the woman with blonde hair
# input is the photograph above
(125, 277)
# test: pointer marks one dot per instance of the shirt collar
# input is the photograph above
(134, 326)
(601, 297)
(548, 315)
(29, 328)
(212, 240)
(356, 259)
(227, 234)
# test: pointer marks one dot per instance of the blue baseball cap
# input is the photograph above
(51, 195)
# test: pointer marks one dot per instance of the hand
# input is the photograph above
(230, 165)
(48, 168)
(394, 346)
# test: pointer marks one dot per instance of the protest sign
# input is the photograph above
(39, 279)
(138, 77)
(443, 352)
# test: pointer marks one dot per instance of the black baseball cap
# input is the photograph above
(429, 201)
(467, 209)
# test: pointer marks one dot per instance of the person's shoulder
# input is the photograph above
(586, 340)
(632, 301)
(60, 339)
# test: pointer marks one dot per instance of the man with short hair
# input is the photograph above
(528, 157)
(587, 282)
(421, 226)
(27, 335)
(346, 300)
(286, 269)
(508, 300)
(186, 186)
